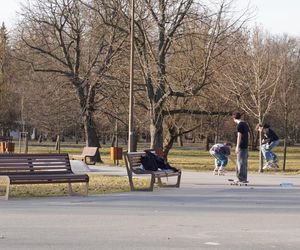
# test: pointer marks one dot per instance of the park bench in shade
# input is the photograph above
(133, 166)
(87, 155)
(39, 169)
(6, 138)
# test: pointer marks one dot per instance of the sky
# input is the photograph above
(8, 12)
(276, 16)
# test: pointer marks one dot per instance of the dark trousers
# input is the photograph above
(242, 165)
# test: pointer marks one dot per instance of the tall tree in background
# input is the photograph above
(251, 79)
(171, 78)
(64, 39)
(287, 94)
(9, 110)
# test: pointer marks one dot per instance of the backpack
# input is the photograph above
(154, 162)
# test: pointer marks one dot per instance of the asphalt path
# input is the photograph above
(204, 213)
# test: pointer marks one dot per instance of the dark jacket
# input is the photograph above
(269, 135)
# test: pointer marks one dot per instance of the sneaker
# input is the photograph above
(221, 171)
(267, 166)
(215, 172)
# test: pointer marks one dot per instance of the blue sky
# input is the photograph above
(276, 16)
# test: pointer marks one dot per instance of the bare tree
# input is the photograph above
(252, 78)
(10, 108)
(287, 94)
(65, 39)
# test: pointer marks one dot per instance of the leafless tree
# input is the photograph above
(66, 39)
(287, 92)
(9, 110)
(251, 79)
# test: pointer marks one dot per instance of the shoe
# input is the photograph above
(221, 171)
(267, 166)
(215, 172)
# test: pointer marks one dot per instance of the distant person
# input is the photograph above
(221, 153)
(269, 141)
(241, 149)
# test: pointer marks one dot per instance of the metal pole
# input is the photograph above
(130, 122)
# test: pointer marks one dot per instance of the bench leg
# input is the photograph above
(160, 184)
(6, 180)
(87, 188)
(133, 188)
(178, 180)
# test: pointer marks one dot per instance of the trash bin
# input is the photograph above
(10, 147)
(116, 153)
(2, 147)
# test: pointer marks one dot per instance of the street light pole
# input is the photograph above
(130, 122)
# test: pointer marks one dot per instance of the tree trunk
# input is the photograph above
(156, 130)
(179, 139)
(261, 160)
(207, 142)
(285, 138)
(91, 135)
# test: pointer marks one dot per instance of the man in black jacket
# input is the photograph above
(269, 141)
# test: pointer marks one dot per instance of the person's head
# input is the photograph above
(259, 127)
(237, 117)
(228, 144)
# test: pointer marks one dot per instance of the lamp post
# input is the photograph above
(130, 122)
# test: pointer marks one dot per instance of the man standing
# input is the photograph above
(241, 149)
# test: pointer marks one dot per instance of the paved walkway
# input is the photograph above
(205, 213)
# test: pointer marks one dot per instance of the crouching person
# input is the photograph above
(221, 153)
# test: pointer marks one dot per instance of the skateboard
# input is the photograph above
(238, 183)
(219, 172)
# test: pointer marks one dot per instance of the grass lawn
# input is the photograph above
(98, 184)
(201, 160)
(189, 157)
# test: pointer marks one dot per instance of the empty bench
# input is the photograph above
(133, 166)
(87, 153)
(39, 169)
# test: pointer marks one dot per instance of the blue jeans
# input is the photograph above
(266, 150)
(242, 165)
(220, 159)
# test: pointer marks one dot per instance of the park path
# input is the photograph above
(204, 213)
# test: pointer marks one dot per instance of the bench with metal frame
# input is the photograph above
(39, 169)
(87, 153)
(133, 166)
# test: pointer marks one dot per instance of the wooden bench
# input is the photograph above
(39, 169)
(133, 163)
(87, 153)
